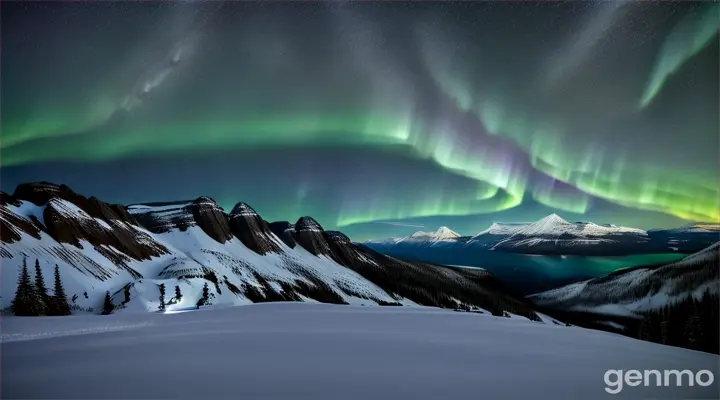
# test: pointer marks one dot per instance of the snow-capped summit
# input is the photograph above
(442, 234)
(243, 209)
(554, 234)
(552, 225)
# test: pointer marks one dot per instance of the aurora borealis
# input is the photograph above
(375, 118)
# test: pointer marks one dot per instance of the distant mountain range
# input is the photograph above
(553, 235)
(537, 256)
(200, 255)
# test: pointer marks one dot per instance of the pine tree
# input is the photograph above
(126, 294)
(205, 296)
(60, 304)
(24, 304)
(161, 307)
(178, 294)
(42, 297)
(108, 306)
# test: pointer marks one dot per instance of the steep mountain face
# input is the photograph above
(309, 235)
(73, 229)
(636, 290)
(499, 230)
(639, 301)
(285, 231)
(252, 230)
(240, 258)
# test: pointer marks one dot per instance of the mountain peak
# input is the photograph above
(554, 218)
(446, 232)
(242, 209)
(204, 200)
(307, 224)
(443, 233)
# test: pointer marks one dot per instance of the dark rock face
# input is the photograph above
(108, 212)
(252, 230)
(210, 218)
(310, 235)
(285, 231)
(12, 226)
(337, 237)
(40, 193)
(170, 216)
(69, 218)
(67, 223)
(8, 199)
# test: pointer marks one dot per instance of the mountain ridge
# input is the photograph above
(237, 256)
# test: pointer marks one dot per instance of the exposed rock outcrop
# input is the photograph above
(310, 235)
(251, 229)
(211, 218)
(285, 231)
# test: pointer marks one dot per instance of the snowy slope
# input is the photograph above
(315, 351)
(501, 229)
(638, 290)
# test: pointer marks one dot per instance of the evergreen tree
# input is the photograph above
(161, 307)
(42, 297)
(126, 294)
(205, 296)
(108, 306)
(25, 302)
(59, 303)
(178, 294)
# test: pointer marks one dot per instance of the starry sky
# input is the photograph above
(378, 119)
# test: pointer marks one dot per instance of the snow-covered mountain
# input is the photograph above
(130, 251)
(549, 235)
(443, 235)
(553, 234)
(636, 290)
(636, 301)
(500, 229)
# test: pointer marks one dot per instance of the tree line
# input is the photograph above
(32, 298)
(692, 323)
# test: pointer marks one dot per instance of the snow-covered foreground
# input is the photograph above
(320, 351)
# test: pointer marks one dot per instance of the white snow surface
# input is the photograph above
(498, 228)
(320, 351)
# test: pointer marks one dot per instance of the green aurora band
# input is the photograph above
(94, 132)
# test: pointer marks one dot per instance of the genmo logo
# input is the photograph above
(615, 379)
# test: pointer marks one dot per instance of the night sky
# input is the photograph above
(377, 119)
